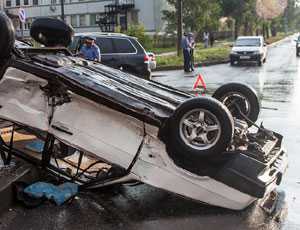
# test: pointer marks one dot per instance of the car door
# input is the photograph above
(97, 129)
(22, 99)
(125, 51)
(107, 51)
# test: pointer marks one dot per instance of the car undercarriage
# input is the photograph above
(97, 126)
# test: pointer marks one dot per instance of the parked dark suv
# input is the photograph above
(118, 51)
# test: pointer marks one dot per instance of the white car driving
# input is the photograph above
(249, 49)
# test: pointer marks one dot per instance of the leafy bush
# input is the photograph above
(138, 31)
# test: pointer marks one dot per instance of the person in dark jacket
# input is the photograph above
(212, 39)
(186, 49)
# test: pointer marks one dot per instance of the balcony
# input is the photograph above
(119, 6)
(113, 13)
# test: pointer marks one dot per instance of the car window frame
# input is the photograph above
(113, 46)
(113, 40)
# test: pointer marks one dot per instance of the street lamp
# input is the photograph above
(179, 26)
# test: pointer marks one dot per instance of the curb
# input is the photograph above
(22, 172)
(167, 68)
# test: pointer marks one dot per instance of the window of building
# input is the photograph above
(53, 2)
(26, 2)
(105, 45)
(35, 2)
(123, 46)
(82, 20)
(93, 19)
(74, 20)
(8, 3)
(17, 2)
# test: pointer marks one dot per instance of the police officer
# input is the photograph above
(90, 50)
(186, 48)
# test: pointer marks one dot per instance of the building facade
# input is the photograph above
(90, 15)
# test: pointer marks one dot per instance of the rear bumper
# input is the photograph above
(144, 71)
(254, 177)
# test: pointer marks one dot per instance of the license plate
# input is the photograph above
(245, 57)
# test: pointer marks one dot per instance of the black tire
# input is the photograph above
(51, 32)
(259, 62)
(188, 156)
(250, 107)
(232, 62)
(7, 37)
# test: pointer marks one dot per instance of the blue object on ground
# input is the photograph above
(59, 194)
(36, 146)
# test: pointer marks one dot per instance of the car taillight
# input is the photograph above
(146, 58)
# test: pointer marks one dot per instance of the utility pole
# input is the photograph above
(179, 26)
(62, 5)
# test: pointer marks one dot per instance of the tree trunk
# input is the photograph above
(236, 29)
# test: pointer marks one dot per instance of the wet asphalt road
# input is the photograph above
(278, 83)
(143, 207)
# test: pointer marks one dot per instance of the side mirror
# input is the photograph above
(51, 32)
(7, 36)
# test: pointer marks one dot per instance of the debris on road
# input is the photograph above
(59, 194)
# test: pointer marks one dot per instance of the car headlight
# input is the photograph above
(233, 52)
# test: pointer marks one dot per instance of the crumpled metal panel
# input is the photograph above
(146, 100)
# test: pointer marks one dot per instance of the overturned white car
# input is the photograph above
(98, 126)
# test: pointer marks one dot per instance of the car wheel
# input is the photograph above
(232, 62)
(201, 128)
(259, 62)
(7, 38)
(239, 98)
(51, 32)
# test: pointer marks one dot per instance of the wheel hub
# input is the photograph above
(200, 129)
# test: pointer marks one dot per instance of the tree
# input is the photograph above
(240, 10)
(198, 15)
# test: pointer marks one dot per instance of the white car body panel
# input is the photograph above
(22, 100)
(96, 128)
(154, 167)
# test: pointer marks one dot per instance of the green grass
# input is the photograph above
(163, 50)
(277, 38)
(201, 55)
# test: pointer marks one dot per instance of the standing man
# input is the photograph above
(186, 48)
(192, 45)
(90, 51)
(212, 39)
(206, 39)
